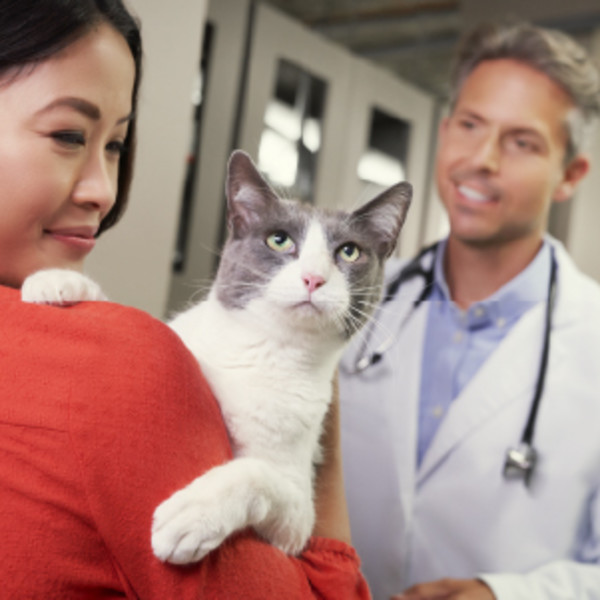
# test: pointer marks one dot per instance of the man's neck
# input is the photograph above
(475, 272)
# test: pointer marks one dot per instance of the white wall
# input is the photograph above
(220, 102)
(583, 237)
(132, 261)
(475, 11)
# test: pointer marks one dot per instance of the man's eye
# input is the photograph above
(280, 241)
(525, 144)
(349, 252)
(69, 138)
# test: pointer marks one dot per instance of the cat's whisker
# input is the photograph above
(370, 326)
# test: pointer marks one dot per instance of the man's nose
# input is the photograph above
(486, 156)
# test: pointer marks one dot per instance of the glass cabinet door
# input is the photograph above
(320, 123)
(293, 118)
(389, 141)
(290, 143)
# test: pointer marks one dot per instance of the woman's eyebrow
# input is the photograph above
(78, 104)
(86, 108)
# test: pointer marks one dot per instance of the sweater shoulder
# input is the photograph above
(123, 333)
(95, 345)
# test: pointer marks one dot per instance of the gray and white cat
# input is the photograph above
(293, 285)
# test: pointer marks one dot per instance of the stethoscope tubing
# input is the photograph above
(415, 269)
(527, 437)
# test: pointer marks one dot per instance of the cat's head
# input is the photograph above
(300, 266)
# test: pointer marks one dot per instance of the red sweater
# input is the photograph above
(103, 415)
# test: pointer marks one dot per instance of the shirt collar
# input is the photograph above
(508, 303)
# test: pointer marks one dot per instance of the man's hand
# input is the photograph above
(448, 589)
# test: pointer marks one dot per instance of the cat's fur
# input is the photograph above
(268, 338)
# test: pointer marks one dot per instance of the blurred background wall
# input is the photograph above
(334, 100)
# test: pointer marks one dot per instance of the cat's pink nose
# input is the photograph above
(313, 282)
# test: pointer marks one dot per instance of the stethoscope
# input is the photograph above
(521, 459)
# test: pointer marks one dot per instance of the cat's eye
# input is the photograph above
(349, 252)
(280, 241)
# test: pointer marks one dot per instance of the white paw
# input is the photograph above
(290, 530)
(62, 287)
(190, 524)
(291, 541)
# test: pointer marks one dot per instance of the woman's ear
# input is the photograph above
(575, 171)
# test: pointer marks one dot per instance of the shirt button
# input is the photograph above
(501, 322)
(479, 312)
(457, 337)
(437, 411)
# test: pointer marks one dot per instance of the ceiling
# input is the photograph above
(415, 38)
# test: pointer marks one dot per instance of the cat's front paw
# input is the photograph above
(291, 540)
(61, 287)
(289, 529)
(190, 524)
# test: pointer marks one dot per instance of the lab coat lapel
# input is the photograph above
(500, 380)
(404, 412)
(397, 402)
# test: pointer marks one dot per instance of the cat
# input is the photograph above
(294, 284)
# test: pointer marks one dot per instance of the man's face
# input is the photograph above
(500, 162)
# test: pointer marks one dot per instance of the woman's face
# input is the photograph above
(62, 127)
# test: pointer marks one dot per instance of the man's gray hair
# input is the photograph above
(548, 51)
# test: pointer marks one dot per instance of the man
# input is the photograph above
(438, 391)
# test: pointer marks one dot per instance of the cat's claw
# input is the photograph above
(61, 287)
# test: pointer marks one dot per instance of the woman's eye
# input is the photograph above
(69, 138)
(280, 241)
(116, 147)
(349, 252)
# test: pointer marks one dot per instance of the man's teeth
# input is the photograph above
(472, 194)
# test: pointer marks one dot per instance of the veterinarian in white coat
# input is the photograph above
(448, 523)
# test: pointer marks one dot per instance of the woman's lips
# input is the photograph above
(80, 238)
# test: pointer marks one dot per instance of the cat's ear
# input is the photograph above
(384, 216)
(249, 195)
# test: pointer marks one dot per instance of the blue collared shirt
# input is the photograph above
(458, 342)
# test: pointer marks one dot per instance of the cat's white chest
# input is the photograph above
(273, 394)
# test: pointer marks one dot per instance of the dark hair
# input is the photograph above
(548, 51)
(31, 31)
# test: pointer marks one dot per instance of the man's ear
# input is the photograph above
(575, 171)
(443, 126)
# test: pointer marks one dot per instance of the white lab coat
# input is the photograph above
(456, 516)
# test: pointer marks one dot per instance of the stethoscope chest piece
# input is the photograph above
(520, 462)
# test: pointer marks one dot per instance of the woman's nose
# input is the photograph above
(96, 186)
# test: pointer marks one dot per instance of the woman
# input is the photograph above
(103, 412)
